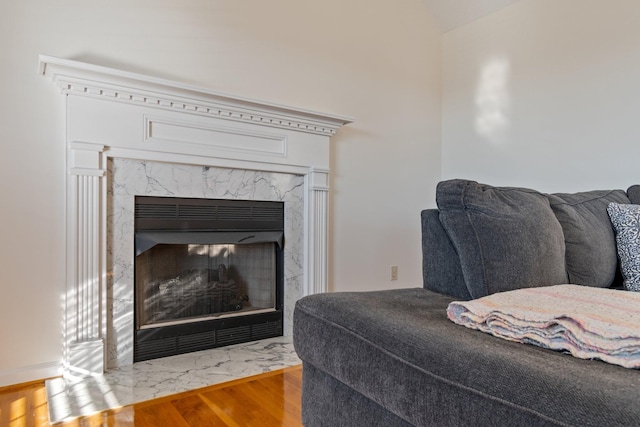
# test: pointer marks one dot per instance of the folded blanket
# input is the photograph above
(589, 323)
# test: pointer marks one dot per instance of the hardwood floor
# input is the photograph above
(270, 399)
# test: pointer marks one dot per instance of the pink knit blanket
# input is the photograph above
(589, 323)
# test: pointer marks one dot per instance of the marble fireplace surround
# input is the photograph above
(128, 134)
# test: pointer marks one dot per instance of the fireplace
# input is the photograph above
(130, 135)
(208, 273)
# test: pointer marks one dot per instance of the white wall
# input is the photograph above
(376, 60)
(545, 94)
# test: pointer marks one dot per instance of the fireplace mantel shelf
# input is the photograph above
(113, 84)
(120, 116)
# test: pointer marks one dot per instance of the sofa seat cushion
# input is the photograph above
(589, 239)
(398, 349)
(506, 238)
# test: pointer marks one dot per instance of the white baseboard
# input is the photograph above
(30, 373)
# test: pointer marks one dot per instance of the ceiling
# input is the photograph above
(451, 14)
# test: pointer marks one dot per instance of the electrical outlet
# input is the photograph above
(394, 272)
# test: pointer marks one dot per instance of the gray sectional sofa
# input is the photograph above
(392, 358)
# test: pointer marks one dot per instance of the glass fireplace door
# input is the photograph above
(178, 283)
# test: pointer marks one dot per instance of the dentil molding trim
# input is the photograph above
(92, 80)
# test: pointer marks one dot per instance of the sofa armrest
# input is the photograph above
(441, 270)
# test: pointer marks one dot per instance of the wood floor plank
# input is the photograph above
(23, 405)
(267, 400)
(196, 412)
(240, 407)
(285, 408)
(221, 413)
(262, 399)
(162, 414)
(291, 397)
(122, 417)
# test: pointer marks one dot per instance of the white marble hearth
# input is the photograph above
(72, 397)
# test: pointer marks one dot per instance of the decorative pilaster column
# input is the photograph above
(84, 350)
(316, 280)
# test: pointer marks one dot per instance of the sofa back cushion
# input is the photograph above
(441, 270)
(591, 257)
(506, 238)
(633, 193)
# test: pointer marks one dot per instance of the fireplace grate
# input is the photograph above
(232, 335)
(149, 346)
(157, 348)
(180, 209)
(195, 342)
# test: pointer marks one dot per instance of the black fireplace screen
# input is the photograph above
(208, 273)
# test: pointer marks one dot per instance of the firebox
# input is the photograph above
(208, 273)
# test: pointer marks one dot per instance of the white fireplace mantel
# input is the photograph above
(118, 114)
